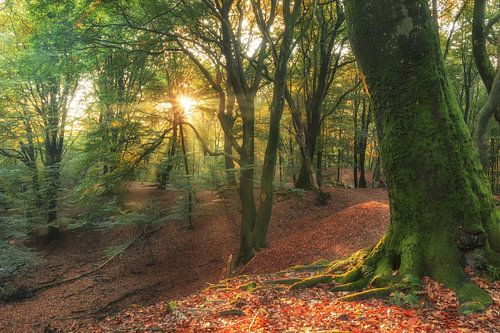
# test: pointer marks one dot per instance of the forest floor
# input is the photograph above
(134, 292)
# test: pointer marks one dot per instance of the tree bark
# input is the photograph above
(365, 124)
(320, 74)
(53, 186)
(441, 203)
(487, 73)
(278, 103)
(227, 109)
(492, 107)
(247, 199)
(355, 143)
(188, 179)
(165, 173)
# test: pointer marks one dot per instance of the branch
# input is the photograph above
(205, 146)
(457, 17)
(150, 149)
(339, 100)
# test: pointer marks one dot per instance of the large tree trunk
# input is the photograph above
(441, 204)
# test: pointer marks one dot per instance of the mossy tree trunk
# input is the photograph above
(440, 201)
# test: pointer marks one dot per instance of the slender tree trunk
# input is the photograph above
(319, 161)
(53, 186)
(53, 155)
(441, 204)
(278, 103)
(247, 199)
(322, 197)
(339, 156)
(377, 172)
(365, 124)
(280, 166)
(312, 131)
(355, 143)
(226, 106)
(492, 107)
(167, 170)
(487, 73)
(188, 177)
(291, 153)
(323, 65)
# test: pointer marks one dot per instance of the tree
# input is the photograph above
(441, 204)
(119, 81)
(319, 61)
(480, 31)
(44, 70)
(281, 55)
(237, 38)
(361, 134)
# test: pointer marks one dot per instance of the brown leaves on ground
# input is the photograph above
(183, 261)
(176, 262)
(225, 307)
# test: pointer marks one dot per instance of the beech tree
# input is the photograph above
(442, 211)
(424, 141)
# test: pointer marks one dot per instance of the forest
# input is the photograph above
(249, 166)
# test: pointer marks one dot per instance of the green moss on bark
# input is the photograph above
(440, 200)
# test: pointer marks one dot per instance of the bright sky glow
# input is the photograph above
(80, 101)
(187, 104)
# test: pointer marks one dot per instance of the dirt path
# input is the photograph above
(175, 261)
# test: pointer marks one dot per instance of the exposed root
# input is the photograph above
(353, 275)
(283, 281)
(356, 285)
(313, 281)
(383, 273)
(370, 293)
(385, 269)
(351, 262)
(316, 266)
(472, 299)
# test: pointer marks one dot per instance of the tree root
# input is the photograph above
(312, 281)
(316, 266)
(370, 293)
(382, 270)
(472, 298)
(283, 281)
(351, 262)
(356, 285)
